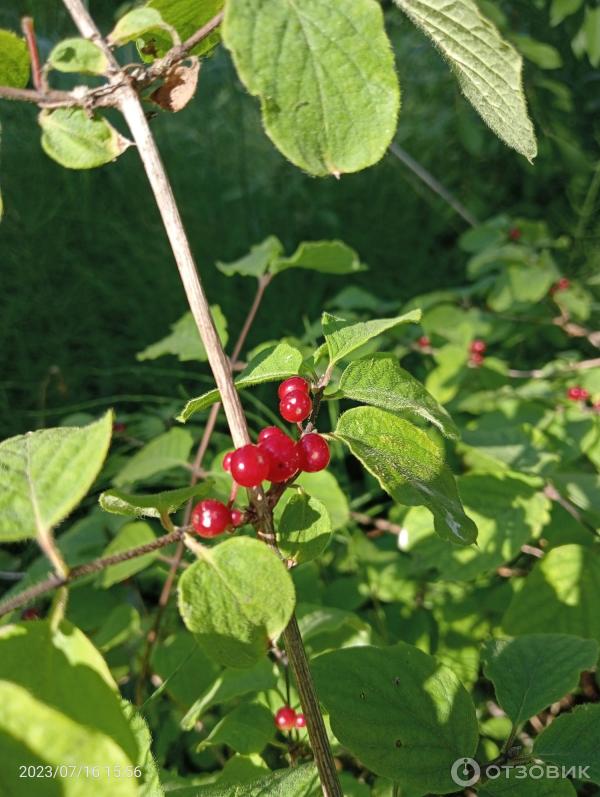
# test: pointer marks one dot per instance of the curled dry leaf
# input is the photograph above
(179, 86)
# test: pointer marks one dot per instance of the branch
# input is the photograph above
(378, 523)
(540, 373)
(37, 76)
(95, 566)
(180, 51)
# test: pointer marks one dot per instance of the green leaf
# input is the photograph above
(14, 60)
(257, 262)
(150, 785)
(45, 474)
(531, 672)
(343, 337)
(121, 625)
(270, 365)
(325, 488)
(78, 55)
(76, 140)
(379, 380)
(135, 24)
(169, 450)
(186, 17)
(561, 9)
(409, 465)
(184, 339)
(63, 670)
(511, 783)
(488, 69)
(573, 740)
(130, 536)
(166, 502)
(326, 257)
(401, 712)
(557, 595)
(247, 729)
(303, 528)
(49, 738)
(236, 599)
(184, 669)
(543, 55)
(302, 781)
(329, 109)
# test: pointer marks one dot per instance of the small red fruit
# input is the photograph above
(300, 721)
(237, 518)
(285, 719)
(314, 452)
(478, 346)
(295, 406)
(227, 461)
(283, 455)
(596, 406)
(249, 466)
(292, 384)
(515, 234)
(424, 342)
(476, 359)
(577, 394)
(30, 614)
(270, 431)
(563, 284)
(210, 518)
(119, 427)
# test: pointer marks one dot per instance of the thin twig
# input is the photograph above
(540, 373)
(95, 566)
(377, 523)
(432, 183)
(179, 52)
(37, 76)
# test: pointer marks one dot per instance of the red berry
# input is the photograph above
(227, 461)
(119, 427)
(478, 346)
(292, 384)
(237, 518)
(562, 284)
(210, 518)
(285, 719)
(577, 394)
(596, 406)
(30, 614)
(424, 342)
(514, 234)
(270, 431)
(314, 452)
(283, 455)
(295, 406)
(249, 466)
(476, 359)
(300, 721)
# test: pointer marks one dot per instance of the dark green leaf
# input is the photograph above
(257, 262)
(169, 450)
(573, 740)
(130, 536)
(247, 729)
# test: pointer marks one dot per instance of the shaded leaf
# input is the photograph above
(169, 450)
(257, 261)
(130, 536)
(325, 488)
(184, 339)
(303, 528)
(302, 781)
(166, 502)
(248, 728)
(573, 740)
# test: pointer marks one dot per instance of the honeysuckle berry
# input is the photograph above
(210, 518)
(300, 721)
(269, 431)
(292, 384)
(577, 393)
(295, 406)
(237, 518)
(249, 465)
(30, 614)
(284, 457)
(515, 234)
(314, 452)
(476, 359)
(563, 284)
(478, 346)
(285, 718)
(119, 427)
(227, 461)
(423, 342)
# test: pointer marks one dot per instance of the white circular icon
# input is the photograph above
(465, 772)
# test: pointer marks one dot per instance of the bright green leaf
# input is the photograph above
(166, 502)
(326, 257)
(488, 69)
(302, 781)
(184, 339)
(247, 729)
(325, 488)
(573, 740)
(14, 60)
(401, 712)
(269, 365)
(543, 55)
(135, 24)
(45, 474)
(329, 109)
(169, 450)
(130, 536)
(236, 599)
(561, 9)
(186, 17)
(256, 262)
(409, 465)
(78, 55)
(531, 672)
(76, 140)
(149, 783)
(379, 380)
(303, 528)
(343, 337)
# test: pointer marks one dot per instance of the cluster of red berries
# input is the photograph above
(563, 284)
(578, 394)
(275, 458)
(286, 719)
(477, 351)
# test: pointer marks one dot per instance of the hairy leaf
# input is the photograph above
(573, 740)
(169, 450)
(166, 502)
(78, 141)
(302, 781)
(343, 337)
(325, 77)
(78, 55)
(303, 528)
(14, 60)
(130, 536)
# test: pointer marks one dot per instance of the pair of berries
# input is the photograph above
(295, 404)
(578, 394)
(477, 351)
(286, 719)
(211, 518)
(563, 284)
